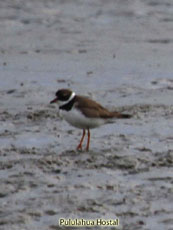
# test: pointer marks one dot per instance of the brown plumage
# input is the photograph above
(92, 109)
(83, 112)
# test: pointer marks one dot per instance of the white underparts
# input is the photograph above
(79, 120)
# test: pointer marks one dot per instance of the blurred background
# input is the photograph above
(105, 42)
(119, 52)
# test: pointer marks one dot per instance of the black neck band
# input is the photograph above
(69, 105)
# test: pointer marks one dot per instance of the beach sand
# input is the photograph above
(117, 52)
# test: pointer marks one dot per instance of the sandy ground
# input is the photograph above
(117, 52)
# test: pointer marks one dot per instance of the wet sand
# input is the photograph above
(116, 52)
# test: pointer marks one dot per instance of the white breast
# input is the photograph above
(77, 119)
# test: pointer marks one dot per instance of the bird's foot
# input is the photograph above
(79, 147)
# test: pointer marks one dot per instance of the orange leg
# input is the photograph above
(88, 142)
(79, 147)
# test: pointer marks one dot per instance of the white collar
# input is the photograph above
(61, 103)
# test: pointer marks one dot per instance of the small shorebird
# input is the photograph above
(83, 113)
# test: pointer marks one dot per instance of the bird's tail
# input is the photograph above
(121, 115)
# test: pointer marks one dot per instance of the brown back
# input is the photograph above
(91, 108)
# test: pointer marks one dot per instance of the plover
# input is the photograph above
(83, 113)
